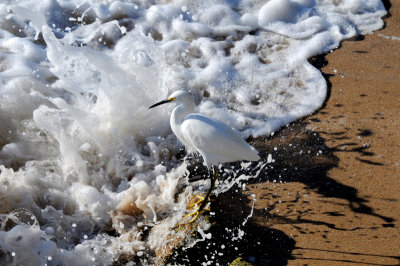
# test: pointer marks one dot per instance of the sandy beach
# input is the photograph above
(331, 195)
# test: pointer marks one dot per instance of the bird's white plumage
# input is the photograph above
(214, 140)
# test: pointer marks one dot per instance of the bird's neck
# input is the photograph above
(180, 112)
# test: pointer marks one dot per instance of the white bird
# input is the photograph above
(215, 141)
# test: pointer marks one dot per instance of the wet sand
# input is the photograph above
(332, 195)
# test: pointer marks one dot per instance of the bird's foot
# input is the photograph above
(196, 214)
(197, 202)
(196, 207)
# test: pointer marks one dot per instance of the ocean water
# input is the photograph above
(88, 174)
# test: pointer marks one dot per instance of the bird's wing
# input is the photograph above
(216, 140)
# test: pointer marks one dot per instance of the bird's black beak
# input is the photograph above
(159, 103)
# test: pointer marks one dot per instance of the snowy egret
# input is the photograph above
(215, 141)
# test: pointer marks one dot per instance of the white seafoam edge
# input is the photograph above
(74, 120)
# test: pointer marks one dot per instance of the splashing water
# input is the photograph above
(88, 174)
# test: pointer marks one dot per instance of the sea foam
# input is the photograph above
(86, 168)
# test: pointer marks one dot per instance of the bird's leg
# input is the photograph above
(204, 200)
(213, 180)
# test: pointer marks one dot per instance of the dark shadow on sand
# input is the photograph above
(259, 245)
(302, 156)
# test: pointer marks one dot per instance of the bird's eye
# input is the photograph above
(171, 99)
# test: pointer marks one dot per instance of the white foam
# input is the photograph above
(78, 144)
(395, 38)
